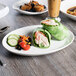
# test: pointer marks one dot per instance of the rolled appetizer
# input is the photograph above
(41, 38)
(55, 28)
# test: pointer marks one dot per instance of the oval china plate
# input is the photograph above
(17, 5)
(34, 51)
(66, 4)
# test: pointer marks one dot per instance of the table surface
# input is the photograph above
(62, 63)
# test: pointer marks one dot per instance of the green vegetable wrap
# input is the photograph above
(57, 30)
(41, 38)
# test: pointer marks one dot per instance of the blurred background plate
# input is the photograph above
(21, 2)
(3, 10)
(66, 4)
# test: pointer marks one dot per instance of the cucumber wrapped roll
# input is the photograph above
(55, 28)
(41, 38)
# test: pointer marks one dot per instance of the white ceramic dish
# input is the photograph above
(3, 10)
(34, 51)
(66, 4)
(21, 2)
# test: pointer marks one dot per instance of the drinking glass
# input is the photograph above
(53, 9)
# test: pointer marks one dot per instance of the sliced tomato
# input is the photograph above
(27, 47)
(24, 46)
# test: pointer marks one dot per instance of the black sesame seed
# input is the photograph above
(20, 6)
(29, 39)
(31, 10)
(27, 10)
(44, 7)
(18, 47)
(32, 5)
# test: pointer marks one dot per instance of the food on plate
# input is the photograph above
(18, 47)
(55, 28)
(33, 3)
(54, 7)
(39, 8)
(24, 42)
(15, 36)
(33, 6)
(19, 41)
(41, 38)
(12, 40)
(72, 11)
(26, 7)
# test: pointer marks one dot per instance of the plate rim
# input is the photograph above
(19, 53)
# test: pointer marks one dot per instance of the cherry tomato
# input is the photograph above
(24, 46)
(27, 47)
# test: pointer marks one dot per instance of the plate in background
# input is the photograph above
(34, 51)
(17, 5)
(66, 4)
(3, 10)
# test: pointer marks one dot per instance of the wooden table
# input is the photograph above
(62, 63)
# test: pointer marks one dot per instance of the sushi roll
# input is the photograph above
(41, 38)
(55, 28)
